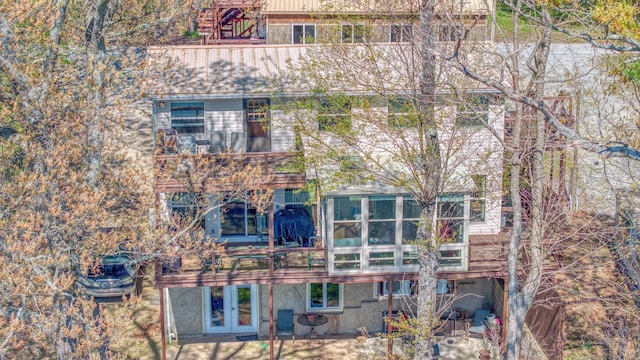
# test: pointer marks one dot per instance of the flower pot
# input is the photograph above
(312, 317)
(484, 354)
(361, 339)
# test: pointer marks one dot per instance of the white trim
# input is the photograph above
(324, 299)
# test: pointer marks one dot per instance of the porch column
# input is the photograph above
(271, 355)
(163, 340)
(390, 315)
(505, 309)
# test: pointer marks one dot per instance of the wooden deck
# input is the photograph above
(262, 265)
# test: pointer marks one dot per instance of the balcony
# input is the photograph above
(244, 263)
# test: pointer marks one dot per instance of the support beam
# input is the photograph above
(390, 315)
(271, 353)
(163, 331)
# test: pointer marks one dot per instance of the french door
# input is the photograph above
(231, 309)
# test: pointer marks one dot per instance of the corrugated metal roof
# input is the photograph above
(232, 71)
(222, 71)
(370, 6)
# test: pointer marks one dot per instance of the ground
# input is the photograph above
(145, 342)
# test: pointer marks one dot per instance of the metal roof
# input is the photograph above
(370, 6)
(239, 70)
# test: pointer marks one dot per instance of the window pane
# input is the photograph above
(382, 207)
(315, 295)
(410, 209)
(409, 231)
(333, 295)
(451, 230)
(382, 233)
(346, 208)
(477, 209)
(298, 37)
(309, 33)
(358, 33)
(233, 218)
(381, 258)
(347, 33)
(217, 306)
(450, 209)
(346, 234)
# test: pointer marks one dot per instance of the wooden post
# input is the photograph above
(505, 310)
(390, 316)
(271, 354)
(163, 340)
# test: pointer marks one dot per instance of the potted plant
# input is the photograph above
(363, 334)
(312, 317)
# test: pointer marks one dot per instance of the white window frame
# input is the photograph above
(324, 307)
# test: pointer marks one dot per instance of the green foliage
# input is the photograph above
(191, 34)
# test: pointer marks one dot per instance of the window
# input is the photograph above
(477, 204)
(298, 199)
(258, 125)
(347, 221)
(400, 33)
(304, 34)
(401, 112)
(382, 221)
(334, 115)
(188, 117)
(324, 296)
(185, 208)
(451, 217)
(473, 111)
(410, 217)
(241, 219)
(400, 288)
(449, 33)
(445, 287)
(353, 33)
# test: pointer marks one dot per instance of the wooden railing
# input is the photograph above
(175, 173)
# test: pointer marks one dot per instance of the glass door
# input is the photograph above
(231, 309)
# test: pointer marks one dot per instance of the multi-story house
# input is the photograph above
(335, 253)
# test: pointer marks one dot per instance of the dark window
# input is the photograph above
(353, 33)
(304, 34)
(478, 199)
(259, 139)
(188, 117)
(334, 115)
(473, 111)
(400, 33)
(401, 112)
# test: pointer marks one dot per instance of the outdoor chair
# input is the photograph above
(284, 323)
(289, 234)
(479, 322)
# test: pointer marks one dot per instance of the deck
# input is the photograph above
(254, 264)
(219, 172)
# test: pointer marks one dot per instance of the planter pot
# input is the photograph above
(484, 355)
(312, 317)
(361, 339)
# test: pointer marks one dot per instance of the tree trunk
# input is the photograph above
(521, 295)
(428, 254)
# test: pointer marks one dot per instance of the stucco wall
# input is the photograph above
(361, 308)
(186, 304)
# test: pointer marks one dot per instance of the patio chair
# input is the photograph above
(289, 234)
(284, 323)
(479, 322)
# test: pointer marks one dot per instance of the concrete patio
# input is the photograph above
(346, 347)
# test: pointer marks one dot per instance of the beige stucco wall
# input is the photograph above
(186, 304)
(361, 308)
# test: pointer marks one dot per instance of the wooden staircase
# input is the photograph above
(234, 21)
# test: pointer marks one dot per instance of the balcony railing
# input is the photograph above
(174, 173)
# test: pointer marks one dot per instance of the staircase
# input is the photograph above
(230, 22)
